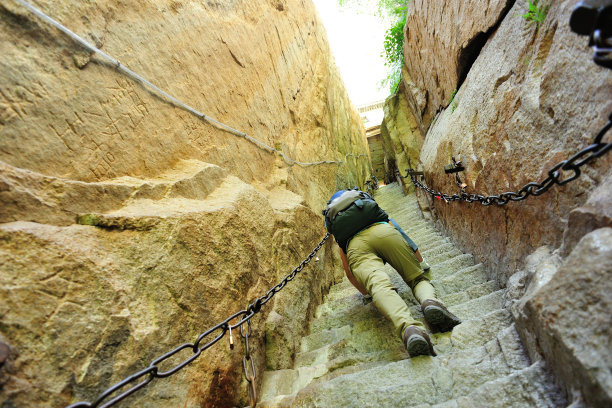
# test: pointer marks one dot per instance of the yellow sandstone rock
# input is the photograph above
(128, 226)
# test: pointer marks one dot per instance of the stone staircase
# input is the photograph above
(352, 358)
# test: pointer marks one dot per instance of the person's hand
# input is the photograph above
(366, 299)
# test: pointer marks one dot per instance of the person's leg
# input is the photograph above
(368, 269)
(436, 314)
(422, 288)
(390, 245)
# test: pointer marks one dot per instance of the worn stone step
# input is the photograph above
(471, 309)
(423, 379)
(353, 358)
(349, 296)
(477, 307)
(468, 294)
(376, 333)
(439, 249)
(351, 311)
(436, 259)
(451, 266)
(432, 243)
(472, 289)
(476, 331)
(338, 290)
(498, 357)
(421, 229)
(343, 317)
(460, 280)
(526, 388)
(423, 234)
(362, 345)
(408, 223)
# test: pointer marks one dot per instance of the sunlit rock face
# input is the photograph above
(442, 40)
(532, 98)
(128, 225)
(402, 136)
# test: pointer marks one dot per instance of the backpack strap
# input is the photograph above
(406, 238)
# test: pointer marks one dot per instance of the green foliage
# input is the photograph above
(394, 50)
(536, 12)
(453, 103)
(393, 11)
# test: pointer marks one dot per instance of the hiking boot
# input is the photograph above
(438, 317)
(417, 342)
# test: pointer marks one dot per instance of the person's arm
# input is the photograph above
(349, 274)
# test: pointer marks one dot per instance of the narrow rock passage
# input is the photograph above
(352, 358)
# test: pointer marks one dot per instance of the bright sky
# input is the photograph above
(356, 40)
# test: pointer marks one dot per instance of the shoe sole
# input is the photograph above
(440, 319)
(417, 346)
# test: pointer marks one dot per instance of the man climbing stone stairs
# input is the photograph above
(352, 358)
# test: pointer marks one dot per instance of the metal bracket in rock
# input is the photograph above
(560, 174)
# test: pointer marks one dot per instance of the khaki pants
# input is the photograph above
(366, 252)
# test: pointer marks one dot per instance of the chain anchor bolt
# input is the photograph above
(454, 167)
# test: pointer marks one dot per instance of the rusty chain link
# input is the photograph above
(214, 334)
(555, 176)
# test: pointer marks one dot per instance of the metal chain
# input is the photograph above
(371, 184)
(214, 334)
(245, 364)
(556, 175)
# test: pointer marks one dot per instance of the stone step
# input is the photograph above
(438, 258)
(432, 243)
(339, 290)
(526, 388)
(418, 380)
(468, 294)
(375, 333)
(350, 309)
(475, 308)
(460, 280)
(349, 296)
(450, 266)
(353, 358)
(496, 358)
(423, 234)
(421, 228)
(440, 249)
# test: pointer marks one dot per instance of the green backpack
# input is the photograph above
(350, 211)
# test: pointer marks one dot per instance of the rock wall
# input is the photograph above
(442, 40)
(402, 136)
(532, 98)
(544, 100)
(128, 225)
